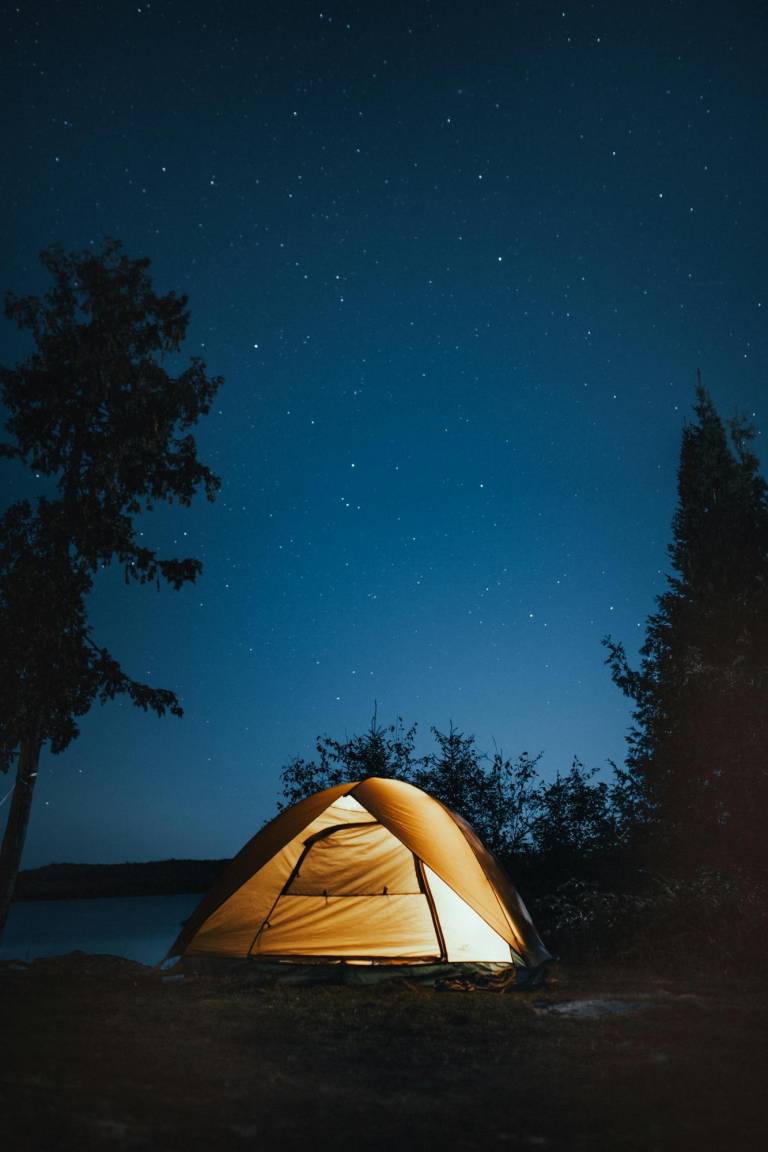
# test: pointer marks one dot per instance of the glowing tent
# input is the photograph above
(376, 871)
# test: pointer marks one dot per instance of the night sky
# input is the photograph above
(458, 264)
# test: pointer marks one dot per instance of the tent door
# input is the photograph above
(355, 891)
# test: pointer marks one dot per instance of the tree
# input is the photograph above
(498, 799)
(510, 800)
(94, 409)
(575, 820)
(698, 750)
(569, 826)
(455, 775)
(381, 751)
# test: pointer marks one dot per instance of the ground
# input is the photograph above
(101, 1053)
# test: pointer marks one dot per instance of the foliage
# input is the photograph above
(573, 816)
(569, 823)
(704, 921)
(506, 804)
(454, 774)
(580, 920)
(496, 797)
(94, 408)
(381, 751)
(698, 751)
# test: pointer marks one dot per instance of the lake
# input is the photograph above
(139, 927)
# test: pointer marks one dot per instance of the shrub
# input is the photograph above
(703, 920)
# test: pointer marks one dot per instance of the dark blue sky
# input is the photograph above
(458, 264)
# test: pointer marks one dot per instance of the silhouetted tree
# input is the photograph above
(454, 774)
(498, 800)
(571, 821)
(381, 751)
(94, 409)
(510, 800)
(497, 797)
(698, 751)
(574, 820)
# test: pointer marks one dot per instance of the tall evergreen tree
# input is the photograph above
(94, 409)
(699, 745)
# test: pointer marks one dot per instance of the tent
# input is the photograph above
(377, 872)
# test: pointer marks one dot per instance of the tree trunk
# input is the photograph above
(16, 829)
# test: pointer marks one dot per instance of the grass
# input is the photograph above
(101, 1053)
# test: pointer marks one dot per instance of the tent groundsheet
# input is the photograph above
(500, 977)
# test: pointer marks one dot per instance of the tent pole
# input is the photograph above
(432, 909)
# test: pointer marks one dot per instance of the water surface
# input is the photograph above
(139, 927)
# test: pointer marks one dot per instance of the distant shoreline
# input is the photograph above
(89, 881)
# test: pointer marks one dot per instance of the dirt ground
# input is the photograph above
(101, 1053)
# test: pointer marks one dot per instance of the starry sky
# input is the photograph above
(458, 264)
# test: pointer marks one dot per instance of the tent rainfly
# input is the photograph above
(376, 871)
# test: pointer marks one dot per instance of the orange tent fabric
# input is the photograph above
(371, 871)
